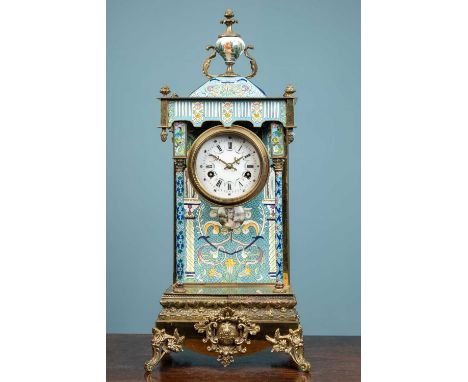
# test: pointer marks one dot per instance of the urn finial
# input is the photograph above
(230, 47)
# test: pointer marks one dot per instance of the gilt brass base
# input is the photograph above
(228, 321)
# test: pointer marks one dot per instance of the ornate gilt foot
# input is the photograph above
(163, 343)
(293, 344)
(227, 334)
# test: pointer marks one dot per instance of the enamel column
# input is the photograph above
(278, 158)
(180, 152)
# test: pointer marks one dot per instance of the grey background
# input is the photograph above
(314, 45)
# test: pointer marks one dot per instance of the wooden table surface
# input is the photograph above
(333, 359)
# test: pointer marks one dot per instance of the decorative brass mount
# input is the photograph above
(293, 344)
(165, 91)
(228, 325)
(163, 343)
(230, 46)
(227, 334)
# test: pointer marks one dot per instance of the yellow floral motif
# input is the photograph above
(227, 112)
(197, 112)
(256, 111)
(212, 272)
(230, 264)
(246, 272)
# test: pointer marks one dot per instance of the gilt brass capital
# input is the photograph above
(179, 164)
(278, 164)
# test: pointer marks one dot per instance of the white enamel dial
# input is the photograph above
(228, 166)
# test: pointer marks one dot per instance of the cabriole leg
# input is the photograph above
(163, 343)
(293, 344)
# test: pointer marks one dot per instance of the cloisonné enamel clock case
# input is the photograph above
(231, 292)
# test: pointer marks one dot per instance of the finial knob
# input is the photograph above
(289, 91)
(228, 21)
(165, 90)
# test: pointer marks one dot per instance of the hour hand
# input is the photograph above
(228, 165)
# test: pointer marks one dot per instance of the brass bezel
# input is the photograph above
(233, 130)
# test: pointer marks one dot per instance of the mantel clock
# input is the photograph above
(231, 292)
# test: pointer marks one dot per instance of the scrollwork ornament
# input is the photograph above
(253, 62)
(227, 334)
(207, 62)
(293, 344)
(163, 343)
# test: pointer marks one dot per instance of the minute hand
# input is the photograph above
(228, 165)
(237, 160)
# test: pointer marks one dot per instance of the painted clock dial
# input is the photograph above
(228, 165)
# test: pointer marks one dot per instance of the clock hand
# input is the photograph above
(218, 158)
(236, 161)
(228, 165)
